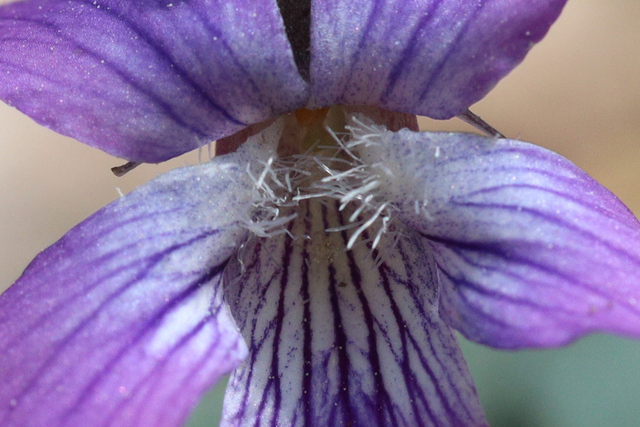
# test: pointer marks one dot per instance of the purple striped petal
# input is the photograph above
(343, 337)
(432, 58)
(147, 80)
(531, 251)
(122, 322)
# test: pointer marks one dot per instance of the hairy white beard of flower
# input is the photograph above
(327, 173)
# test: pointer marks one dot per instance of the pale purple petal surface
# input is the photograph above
(531, 251)
(122, 322)
(147, 80)
(432, 57)
(343, 337)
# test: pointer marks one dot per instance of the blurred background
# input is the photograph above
(577, 93)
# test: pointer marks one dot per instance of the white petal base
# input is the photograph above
(343, 337)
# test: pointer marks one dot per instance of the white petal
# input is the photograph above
(343, 337)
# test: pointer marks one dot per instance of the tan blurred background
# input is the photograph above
(577, 93)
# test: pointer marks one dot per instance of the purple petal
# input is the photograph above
(531, 251)
(122, 322)
(432, 58)
(147, 80)
(343, 337)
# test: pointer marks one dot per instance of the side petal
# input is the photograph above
(531, 251)
(122, 322)
(147, 80)
(433, 58)
(343, 337)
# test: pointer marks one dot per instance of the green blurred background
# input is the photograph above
(578, 93)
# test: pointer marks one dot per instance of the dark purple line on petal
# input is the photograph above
(115, 227)
(382, 402)
(123, 17)
(579, 201)
(126, 77)
(279, 321)
(255, 347)
(307, 346)
(197, 367)
(354, 60)
(53, 310)
(225, 44)
(404, 362)
(476, 148)
(499, 249)
(413, 389)
(473, 307)
(257, 342)
(463, 282)
(431, 326)
(153, 322)
(149, 387)
(164, 106)
(366, 30)
(325, 213)
(341, 341)
(406, 334)
(490, 167)
(273, 381)
(255, 267)
(557, 220)
(483, 290)
(108, 301)
(454, 47)
(204, 359)
(249, 263)
(408, 52)
(344, 364)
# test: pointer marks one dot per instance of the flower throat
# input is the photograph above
(317, 161)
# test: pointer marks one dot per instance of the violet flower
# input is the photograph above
(328, 276)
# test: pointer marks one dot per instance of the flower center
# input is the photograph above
(309, 131)
(322, 165)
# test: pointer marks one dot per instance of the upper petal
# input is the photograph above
(431, 57)
(122, 322)
(340, 337)
(530, 250)
(147, 80)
